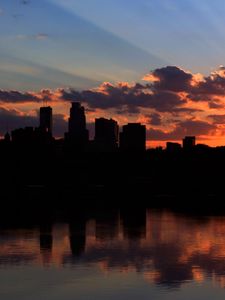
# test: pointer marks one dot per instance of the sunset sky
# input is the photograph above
(156, 62)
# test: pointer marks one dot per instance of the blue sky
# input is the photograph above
(79, 43)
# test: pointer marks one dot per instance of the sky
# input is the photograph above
(87, 49)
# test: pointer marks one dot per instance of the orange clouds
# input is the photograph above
(150, 77)
(173, 102)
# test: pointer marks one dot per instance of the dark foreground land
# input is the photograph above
(41, 179)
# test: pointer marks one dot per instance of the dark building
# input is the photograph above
(31, 136)
(78, 133)
(189, 142)
(23, 135)
(46, 119)
(106, 134)
(133, 138)
(173, 147)
(7, 138)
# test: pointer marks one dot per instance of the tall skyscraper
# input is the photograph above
(78, 133)
(133, 138)
(106, 134)
(46, 119)
(189, 142)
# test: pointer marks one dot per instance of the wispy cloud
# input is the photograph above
(19, 69)
(41, 36)
(38, 36)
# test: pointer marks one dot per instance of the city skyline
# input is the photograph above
(170, 79)
(112, 139)
(107, 137)
(170, 102)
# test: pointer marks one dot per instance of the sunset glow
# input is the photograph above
(151, 72)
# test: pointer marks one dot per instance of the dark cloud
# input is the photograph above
(212, 85)
(185, 110)
(46, 95)
(131, 110)
(185, 128)
(154, 119)
(216, 105)
(217, 119)
(169, 92)
(129, 99)
(172, 79)
(176, 80)
(17, 97)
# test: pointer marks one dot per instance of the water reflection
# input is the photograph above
(166, 249)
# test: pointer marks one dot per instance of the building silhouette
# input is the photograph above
(133, 138)
(189, 143)
(46, 119)
(106, 134)
(23, 135)
(173, 147)
(35, 136)
(7, 138)
(77, 134)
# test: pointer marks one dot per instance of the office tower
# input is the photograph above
(173, 147)
(189, 143)
(106, 134)
(133, 138)
(77, 134)
(46, 119)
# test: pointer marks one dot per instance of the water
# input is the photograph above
(143, 255)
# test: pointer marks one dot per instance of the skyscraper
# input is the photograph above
(106, 134)
(77, 134)
(189, 142)
(133, 138)
(46, 119)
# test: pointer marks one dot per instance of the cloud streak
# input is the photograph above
(38, 36)
(17, 97)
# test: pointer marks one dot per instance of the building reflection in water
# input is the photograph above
(46, 240)
(77, 235)
(165, 248)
